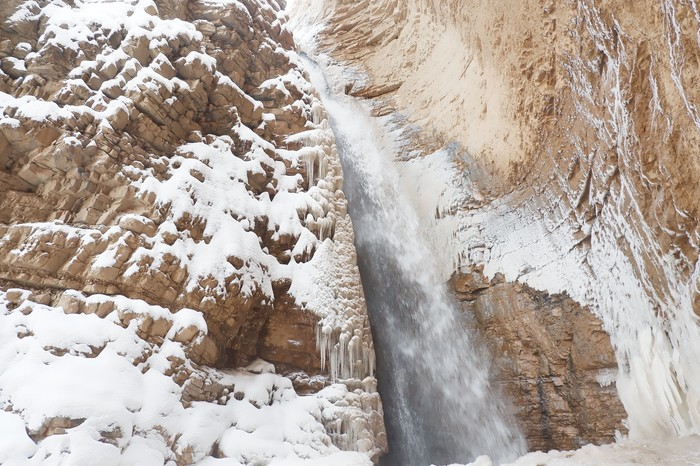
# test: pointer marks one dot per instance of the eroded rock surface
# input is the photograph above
(174, 155)
(552, 357)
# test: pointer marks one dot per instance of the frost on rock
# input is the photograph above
(171, 199)
(614, 231)
(329, 283)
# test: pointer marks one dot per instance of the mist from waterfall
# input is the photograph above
(440, 404)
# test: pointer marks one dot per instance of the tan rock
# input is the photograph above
(186, 334)
(56, 426)
(16, 296)
(204, 351)
(160, 327)
(69, 303)
(138, 225)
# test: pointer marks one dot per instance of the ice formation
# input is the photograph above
(616, 230)
(436, 385)
(610, 256)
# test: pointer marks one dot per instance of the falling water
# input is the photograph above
(440, 406)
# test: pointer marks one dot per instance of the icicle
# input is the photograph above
(342, 350)
(310, 163)
(334, 362)
(323, 342)
(318, 114)
(322, 164)
(325, 228)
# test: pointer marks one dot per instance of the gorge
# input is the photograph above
(216, 214)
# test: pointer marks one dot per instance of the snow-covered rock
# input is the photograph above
(78, 388)
(171, 201)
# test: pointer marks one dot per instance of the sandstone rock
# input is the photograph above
(186, 334)
(138, 225)
(6, 46)
(163, 67)
(551, 354)
(55, 426)
(204, 351)
(14, 68)
(70, 304)
(138, 49)
(16, 296)
(161, 327)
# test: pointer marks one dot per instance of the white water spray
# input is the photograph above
(439, 402)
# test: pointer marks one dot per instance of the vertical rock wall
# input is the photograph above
(570, 163)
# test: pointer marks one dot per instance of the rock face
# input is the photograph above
(115, 380)
(564, 132)
(173, 154)
(552, 357)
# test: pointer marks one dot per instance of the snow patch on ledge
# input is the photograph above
(78, 386)
(680, 451)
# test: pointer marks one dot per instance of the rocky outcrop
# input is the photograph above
(173, 153)
(565, 130)
(107, 177)
(552, 357)
(119, 380)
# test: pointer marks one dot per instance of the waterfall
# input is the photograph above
(440, 405)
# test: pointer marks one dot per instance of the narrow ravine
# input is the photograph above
(439, 404)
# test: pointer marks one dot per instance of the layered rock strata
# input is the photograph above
(552, 358)
(173, 156)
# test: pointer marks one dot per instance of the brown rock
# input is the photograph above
(551, 354)
(160, 328)
(55, 426)
(204, 351)
(47, 135)
(15, 296)
(138, 225)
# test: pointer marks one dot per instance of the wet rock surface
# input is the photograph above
(552, 357)
(558, 135)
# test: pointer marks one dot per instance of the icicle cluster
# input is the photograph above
(348, 354)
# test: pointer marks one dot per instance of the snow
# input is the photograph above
(336, 458)
(14, 441)
(679, 451)
(222, 202)
(112, 380)
(66, 27)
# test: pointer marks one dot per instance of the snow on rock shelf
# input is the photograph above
(170, 203)
(111, 380)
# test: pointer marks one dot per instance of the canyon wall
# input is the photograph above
(171, 209)
(553, 146)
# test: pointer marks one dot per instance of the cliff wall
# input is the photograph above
(171, 204)
(555, 144)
